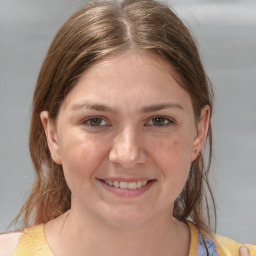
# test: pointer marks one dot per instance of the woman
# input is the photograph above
(121, 113)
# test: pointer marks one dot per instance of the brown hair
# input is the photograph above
(99, 29)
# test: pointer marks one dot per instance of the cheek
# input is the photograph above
(173, 160)
(81, 156)
(174, 153)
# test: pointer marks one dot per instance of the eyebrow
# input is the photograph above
(147, 109)
(158, 107)
(97, 107)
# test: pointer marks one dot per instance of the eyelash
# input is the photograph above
(91, 119)
(164, 122)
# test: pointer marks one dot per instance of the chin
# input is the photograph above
(127, 219)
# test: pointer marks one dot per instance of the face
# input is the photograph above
(126, 136)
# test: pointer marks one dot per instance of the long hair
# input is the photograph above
(100, 29)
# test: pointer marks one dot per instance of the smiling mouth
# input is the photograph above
(127, 185)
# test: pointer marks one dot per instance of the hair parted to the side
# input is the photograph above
(100, 29)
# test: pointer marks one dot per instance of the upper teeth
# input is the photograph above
(129, 185)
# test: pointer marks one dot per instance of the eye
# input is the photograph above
(160, 121)
(95, 121)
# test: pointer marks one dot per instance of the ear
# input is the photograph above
(51, 135)
(202, 130)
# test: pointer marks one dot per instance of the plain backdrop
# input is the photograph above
(226, 34)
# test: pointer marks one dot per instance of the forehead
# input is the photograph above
(131, 76)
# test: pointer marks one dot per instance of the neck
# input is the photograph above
(88, 235)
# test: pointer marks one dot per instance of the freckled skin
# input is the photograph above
(128, 146)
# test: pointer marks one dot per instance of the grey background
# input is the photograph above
(226, 33)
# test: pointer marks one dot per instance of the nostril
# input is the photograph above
(127, 159)
(127, 149)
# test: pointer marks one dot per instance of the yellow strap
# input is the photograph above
(224, 246)
(33, 242)
(228, 247)
(193, 239)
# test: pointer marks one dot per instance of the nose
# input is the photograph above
(127, 149)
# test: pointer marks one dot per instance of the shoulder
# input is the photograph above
(215, 244)
(8, 242)
(227, 246)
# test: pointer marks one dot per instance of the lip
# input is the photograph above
(126, 179)
(125, 192)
